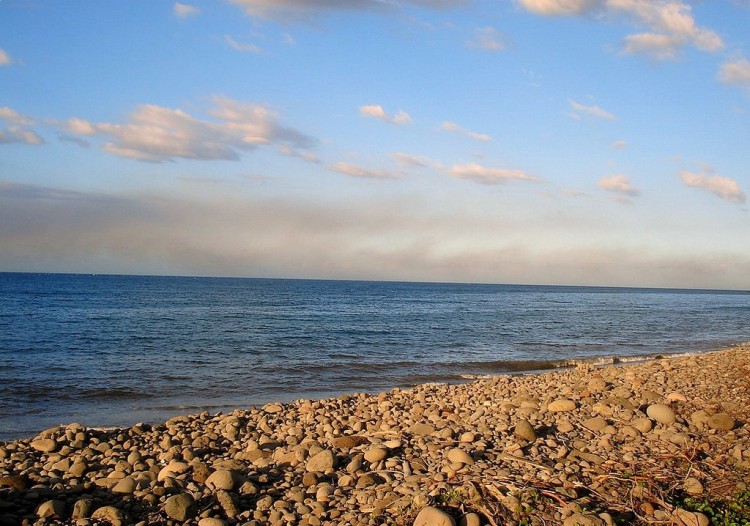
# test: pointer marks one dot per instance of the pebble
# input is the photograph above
(661, 413)
(525, 430)
(51, 508)
(45, 445)
(180, 507)
(430, 516)
(323, 461)
(561, 405)
(721, 421)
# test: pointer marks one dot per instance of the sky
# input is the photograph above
(577, 142)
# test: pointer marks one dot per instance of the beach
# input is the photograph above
(666, 441)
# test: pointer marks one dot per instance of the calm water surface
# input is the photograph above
(115, 350)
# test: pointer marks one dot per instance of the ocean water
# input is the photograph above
(116, 350)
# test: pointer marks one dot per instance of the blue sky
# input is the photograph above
(600, 142)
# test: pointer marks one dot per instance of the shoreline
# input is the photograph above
(593, 444)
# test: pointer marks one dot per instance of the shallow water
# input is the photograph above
(115, 350)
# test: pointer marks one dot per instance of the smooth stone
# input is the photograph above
(180, 507)
(422, 429)
(460, 456)
(676, 397)
(81, 509)
(689, 518)
(721, 422)
(45, 445)
(561, 405)
(692, 486)
(78, 469)
(273, 408)
(376, 454)
(594, 424)
(430, 516)
(51, 508)
(113, 515)
(210, 521)
(525, 430)
(172, 470)
(323, 461)
(470, 519)
(644, 425)
(126, 486)
(221, 479)
(661, 413)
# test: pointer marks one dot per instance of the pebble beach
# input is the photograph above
(665, 441)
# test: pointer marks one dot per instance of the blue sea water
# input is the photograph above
(115, 350)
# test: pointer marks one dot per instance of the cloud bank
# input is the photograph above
(18, 130)
(375, 111)
(488, 175)
(455, 128)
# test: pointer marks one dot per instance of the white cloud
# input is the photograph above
(488, 39)
(619, 184)
(724, 187)
(306, 9)
(354, 170)
(593, 111)
(619, 145)
(5, 59)
(453, 127)
(185, 10)
(558, 7)
(242, 48)
(488, 175)
(377, 112)
(737, 73)
(670, 23)
(157, 134)
(12, 117)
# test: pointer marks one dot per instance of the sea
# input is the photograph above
(106, 350)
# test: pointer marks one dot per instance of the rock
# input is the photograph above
(273, 408)
(114, 516)
(594, 424)
(561, 405)
(13, 481)
(228, 503)
(421, 429)
(321, 462)
(78, 469)
(376, 454)
(721, 421)
(209, 521)
(692, 486)
(222, 479)
(661, 413)
(460, 456)
(470, 519)
(45, 445)
(126, 486)
(172, 470)
(81, 509)
(580, 519)
(689, 518)
(348, 442)
(430, 516)
(51, 508)
(180, 507)
(525, 430)
(676, 397)
(597, 384)
(644, 425)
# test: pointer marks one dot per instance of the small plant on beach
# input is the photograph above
(734, 511)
